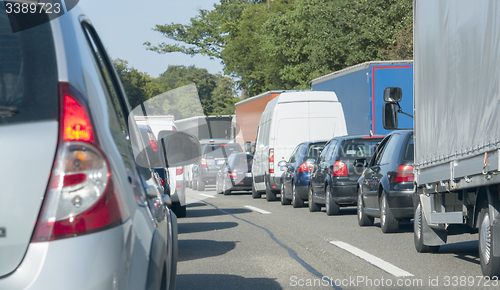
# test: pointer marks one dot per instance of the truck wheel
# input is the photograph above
(284, 200)
(270, 196)
(388, 223)
(418, 238)
(313, 207)
(363, 219)
(332, 208)
(490, 264)
(255, 193)
(201, 184)
(296, 201)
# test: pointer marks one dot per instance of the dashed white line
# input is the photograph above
(386, 266)
(257, 209)
(207, 195)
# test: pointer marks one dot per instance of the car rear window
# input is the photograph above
(28, 75)
(408, 152)
(357, 148)
(241, 160)
(315, 149)
(221, 150)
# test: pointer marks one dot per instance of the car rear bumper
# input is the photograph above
(96, 261)
(401, 203)
(345, 193)
(245, 184)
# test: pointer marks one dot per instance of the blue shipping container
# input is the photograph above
(360, 90)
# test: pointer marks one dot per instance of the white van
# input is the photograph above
(289, 119)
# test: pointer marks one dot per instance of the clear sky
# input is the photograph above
(124, 25)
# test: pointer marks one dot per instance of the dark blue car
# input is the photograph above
(295, 179)
(385, 190)
(337, 170)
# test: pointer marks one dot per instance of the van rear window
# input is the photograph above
(28, 74)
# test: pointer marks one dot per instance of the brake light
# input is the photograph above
(404, 174)
(271, 160)
(152, 141)
(203, 162)
(81, 198)
(304, 167)
(76, 124)
(179, 171)
(339, 169)
(233, 174)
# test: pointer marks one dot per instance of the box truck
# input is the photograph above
(457, 117)
(360, 91)
(289, 119)
(247, 117)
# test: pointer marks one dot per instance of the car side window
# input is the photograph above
(389, 149)
(331, 150)
(378, 152)
(293, 157)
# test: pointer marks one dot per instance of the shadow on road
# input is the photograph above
(186, 228)
(198, 249)
(467, 251)
(200, 212)
(224, 282)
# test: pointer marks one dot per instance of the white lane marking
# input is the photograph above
(257, 209)
(386, 266)
(207, 195)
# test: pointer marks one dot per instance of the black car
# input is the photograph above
(295, 179)
(337, 170)
(235, 174)
(213, 156)
(385, 190)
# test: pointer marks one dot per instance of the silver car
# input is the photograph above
(75, 207)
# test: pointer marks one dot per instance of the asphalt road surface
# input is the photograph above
(236, 242)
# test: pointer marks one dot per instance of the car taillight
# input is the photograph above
(339, 169)
(271, 160)
(179, 171)
(81, 198)
(305, 167)
(233, 174)
(404, 174)
(203, 162)
(152, 141)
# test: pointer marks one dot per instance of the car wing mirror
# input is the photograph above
(283, 163)
(179, 148)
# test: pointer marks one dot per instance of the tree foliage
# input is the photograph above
(289, 43)
(179, 91)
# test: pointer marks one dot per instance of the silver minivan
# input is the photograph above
(75, 208)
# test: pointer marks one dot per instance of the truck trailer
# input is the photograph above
(247, 117)
(457, 132)
(360, 90)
